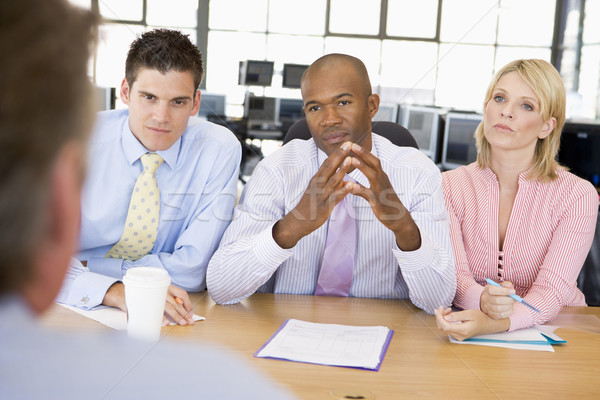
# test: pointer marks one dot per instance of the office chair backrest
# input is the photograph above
(396, 133)
(589, 277)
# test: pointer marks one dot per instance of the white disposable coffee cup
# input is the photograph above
(145, 296)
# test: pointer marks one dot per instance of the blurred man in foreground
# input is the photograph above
(45, 117)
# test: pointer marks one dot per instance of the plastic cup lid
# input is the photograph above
(147, 276)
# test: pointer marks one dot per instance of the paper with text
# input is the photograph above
(328, 344)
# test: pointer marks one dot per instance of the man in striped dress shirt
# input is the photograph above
(276, 240)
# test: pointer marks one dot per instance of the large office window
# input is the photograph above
(588, 85)
(578, 56)
(123, 21)
(354, 17)
(408, 18)
(430, 52)
(276, 30)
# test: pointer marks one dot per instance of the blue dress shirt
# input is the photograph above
(198, 184)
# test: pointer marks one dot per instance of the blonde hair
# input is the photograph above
(549, 88)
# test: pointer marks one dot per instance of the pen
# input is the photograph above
(179, 301)
(514, 296)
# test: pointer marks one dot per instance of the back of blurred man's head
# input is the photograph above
(44, 108)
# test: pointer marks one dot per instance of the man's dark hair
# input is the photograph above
(164, 50)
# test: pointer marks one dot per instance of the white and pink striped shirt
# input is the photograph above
(548, 237)
(249, 259)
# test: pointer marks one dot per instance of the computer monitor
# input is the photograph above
(261, 110)
(459, 142)
(256, 73)
(292, 75)
(212, 104)
(291, 110)
(580, 150)
(387, 112)
(424, 124)
(262, 115)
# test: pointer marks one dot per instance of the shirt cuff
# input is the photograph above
(267, 251)
(88, 290)
(112, 267)
(473, 297)
(416, 259)
(520, 317)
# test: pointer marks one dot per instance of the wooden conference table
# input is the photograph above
(420, 361)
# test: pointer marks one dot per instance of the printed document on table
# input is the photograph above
(328, 344)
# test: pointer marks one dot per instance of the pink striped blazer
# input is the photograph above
(548, 237)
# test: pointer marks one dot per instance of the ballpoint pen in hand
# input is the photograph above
(514, 296)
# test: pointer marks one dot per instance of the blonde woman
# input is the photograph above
(516, 216)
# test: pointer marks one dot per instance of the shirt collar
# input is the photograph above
(489, 175)
(133, 149)
(357, 175)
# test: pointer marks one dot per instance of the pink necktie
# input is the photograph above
(335, 277)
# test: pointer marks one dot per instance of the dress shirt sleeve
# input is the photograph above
(429, 271)
(468, 291)
(193, 249)
(248, 255)
(82, 288)
(571, 242)
(194, 246)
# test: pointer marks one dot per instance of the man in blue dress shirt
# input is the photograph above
(197, 180)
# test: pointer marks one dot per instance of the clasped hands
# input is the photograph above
(327, 188)
(496, 307)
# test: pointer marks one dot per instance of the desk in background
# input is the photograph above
(420, 362)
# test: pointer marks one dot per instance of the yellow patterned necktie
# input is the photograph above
(141, 226)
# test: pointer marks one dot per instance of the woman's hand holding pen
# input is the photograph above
(495, 301)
